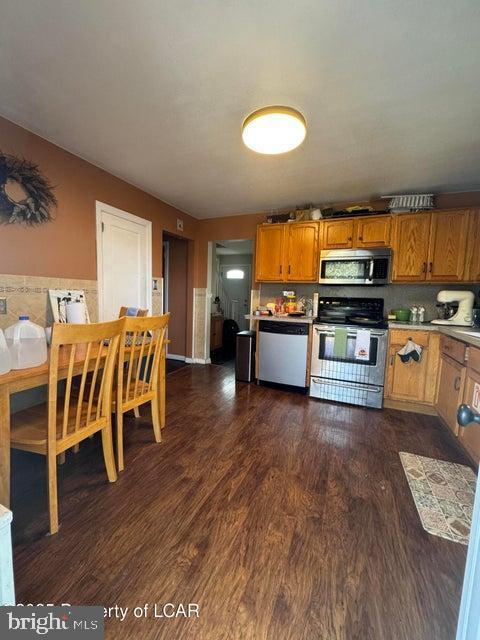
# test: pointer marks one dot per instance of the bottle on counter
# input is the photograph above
(421, 314)
(414, 315)
(26, 343)
(5, 358)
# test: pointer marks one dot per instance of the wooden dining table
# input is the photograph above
(23, 379)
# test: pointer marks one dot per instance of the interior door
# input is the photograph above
(448, 246)
(124, 261)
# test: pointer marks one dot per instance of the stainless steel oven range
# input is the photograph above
(348, 377)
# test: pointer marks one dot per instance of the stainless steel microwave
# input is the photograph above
(355, 266)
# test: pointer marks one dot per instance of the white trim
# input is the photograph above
(198, 361)
(173, 356)
(193, 323)
(7, 590)
(468, 621)
(102, 206)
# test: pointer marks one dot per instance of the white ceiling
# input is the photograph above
(156, 91)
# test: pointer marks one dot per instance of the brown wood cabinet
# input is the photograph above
(470, 436)
(450, 390)
(372, 231)
(269, 252)
(337, 234)
(412, 381)
(411, 234)
(302, 254)
(287, 252)
(448, 246)
(473, 251)
(216, 332)
(364, 232)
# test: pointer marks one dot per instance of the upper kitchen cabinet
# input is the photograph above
(302, 252)
(338, 234)
(373, 231)
(287, 252)
(472, 264)
(411, 234)
(448, 246)
(269, 253)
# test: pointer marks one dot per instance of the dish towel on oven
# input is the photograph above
(362, 345)
(340, 342)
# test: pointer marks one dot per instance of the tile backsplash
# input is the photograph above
(28, 295)
(395, 295)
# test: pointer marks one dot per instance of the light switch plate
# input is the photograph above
(3, 306)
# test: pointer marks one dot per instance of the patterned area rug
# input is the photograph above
(443, 494)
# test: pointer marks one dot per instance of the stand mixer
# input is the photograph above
(465, 300)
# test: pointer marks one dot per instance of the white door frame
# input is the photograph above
(102, 206)
(468, 621)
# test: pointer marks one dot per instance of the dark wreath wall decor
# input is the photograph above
(26, 196)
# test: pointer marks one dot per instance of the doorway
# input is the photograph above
(231, 283)
(124, 261)
(175, 275)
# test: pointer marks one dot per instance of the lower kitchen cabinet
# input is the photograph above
(412, 381)
(470, 436)
(450, 390)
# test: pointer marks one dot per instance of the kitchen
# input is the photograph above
(390, 284)
(304, 174)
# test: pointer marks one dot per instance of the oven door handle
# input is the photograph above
(331, 334)
(348, 385)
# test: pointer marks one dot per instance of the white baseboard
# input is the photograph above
(198, 360)
(173, 356)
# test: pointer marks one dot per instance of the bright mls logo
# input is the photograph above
(24, 623)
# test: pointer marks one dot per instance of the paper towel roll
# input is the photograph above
(76, 313)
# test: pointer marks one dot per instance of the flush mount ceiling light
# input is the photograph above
(273, 130)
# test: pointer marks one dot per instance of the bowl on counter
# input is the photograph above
(401, 315)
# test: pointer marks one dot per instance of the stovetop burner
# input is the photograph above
(363, 312)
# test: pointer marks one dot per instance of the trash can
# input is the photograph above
(245, 360)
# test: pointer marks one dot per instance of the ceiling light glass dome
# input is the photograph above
(273, 130)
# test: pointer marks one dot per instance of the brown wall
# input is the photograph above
(66, 247)
(177, 295)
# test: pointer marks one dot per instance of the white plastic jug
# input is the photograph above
(27, 344)
(5, 359)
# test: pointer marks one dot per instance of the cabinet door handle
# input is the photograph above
(359, 237)
(456, 384)
(392, 358)
(349, 237)
(424, 267)
(280, 269)
(289, 268)
(430, 267)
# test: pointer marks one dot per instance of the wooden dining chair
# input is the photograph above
(141, 373)
(88, 351)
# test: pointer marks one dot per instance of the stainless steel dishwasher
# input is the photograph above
(282, 352)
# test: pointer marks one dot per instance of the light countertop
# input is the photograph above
(303, 319)
(469, 335)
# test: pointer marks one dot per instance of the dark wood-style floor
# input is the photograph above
(283, 517)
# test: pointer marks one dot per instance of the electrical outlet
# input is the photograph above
(179, 224)
(3, 306)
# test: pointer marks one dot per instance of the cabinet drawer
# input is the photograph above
(474, 359)
(400, 336)
(453, 348)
